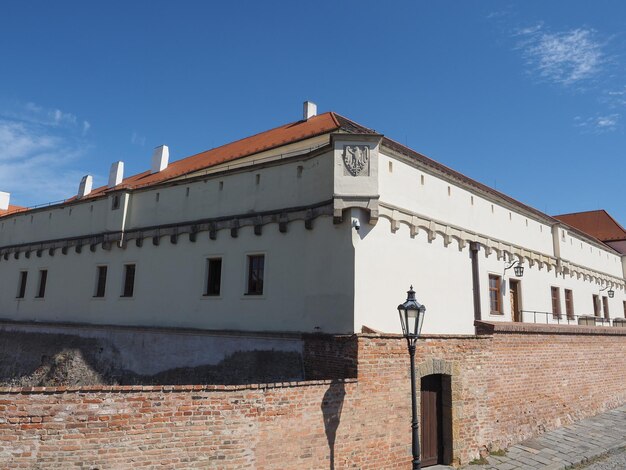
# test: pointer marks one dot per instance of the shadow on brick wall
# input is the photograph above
(40, 359)
(332, 404)
(328, 357)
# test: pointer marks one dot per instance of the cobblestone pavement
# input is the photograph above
(614, 461)
(569, 446)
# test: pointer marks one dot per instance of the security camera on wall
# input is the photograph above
(356, 224)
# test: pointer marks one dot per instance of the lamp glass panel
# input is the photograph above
(403, 321)
(421, 321)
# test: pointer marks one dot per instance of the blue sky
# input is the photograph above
(528, 97)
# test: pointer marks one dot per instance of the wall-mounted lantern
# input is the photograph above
(518, 268)
(610, 293)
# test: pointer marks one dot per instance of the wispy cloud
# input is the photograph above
(137, 139)
(566, 57)
(615, 97)
(598, 124)
(38, 151)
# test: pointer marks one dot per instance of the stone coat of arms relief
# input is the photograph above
(356, 159)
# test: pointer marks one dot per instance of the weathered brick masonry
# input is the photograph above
(509, 383)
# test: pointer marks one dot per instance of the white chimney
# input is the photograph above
(85, 186)
(116, 174)
(310, 110)
(4, 201)
(160, 158)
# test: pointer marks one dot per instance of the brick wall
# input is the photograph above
(508, 384)
(330, 357)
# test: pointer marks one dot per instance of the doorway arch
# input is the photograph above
(436, 416)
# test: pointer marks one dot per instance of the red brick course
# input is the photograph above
(506, 386)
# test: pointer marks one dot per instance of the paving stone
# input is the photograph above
(506, 466)
(571, 445)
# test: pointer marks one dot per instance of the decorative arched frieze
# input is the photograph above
(173, 231)
(503, 250)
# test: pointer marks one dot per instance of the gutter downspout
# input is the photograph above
(474, 249)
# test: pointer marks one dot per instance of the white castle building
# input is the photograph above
(319, 225)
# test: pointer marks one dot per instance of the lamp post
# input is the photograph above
(411, 318)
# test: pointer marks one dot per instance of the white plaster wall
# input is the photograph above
(366, 183)
(583, 253)
(278, 187)
(387, 263)
(308, 282)
(402, 187)
(91, 216)
(536, 295)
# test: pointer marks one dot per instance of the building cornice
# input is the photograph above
(450, 233)
(233, 223)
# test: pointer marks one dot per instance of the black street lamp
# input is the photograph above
(411, 317)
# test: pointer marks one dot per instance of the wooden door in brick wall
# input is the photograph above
(431, 420)
(514, 294)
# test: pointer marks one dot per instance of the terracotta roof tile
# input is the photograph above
(12, 209)
(598, 224)
(279, 136)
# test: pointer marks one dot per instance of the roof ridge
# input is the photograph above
(594, 211)
(289, 124)
(472, 181)
(355, 125)
(580, 212)
(614, 221)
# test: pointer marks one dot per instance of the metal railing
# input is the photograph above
(549, 318)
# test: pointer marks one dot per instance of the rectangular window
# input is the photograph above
(569, 304)
(129, 280)
(495, 294)
(256, 264)
(214, 276)
(624, 308)
(605, 306)
(101, 281)
(43, 277)
(556, 302)
(115, 202)
(21, 287)
(596, 305)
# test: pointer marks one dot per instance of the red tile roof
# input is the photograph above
(283, 135)
(12, 209)
(598, 224)
(301, 130)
